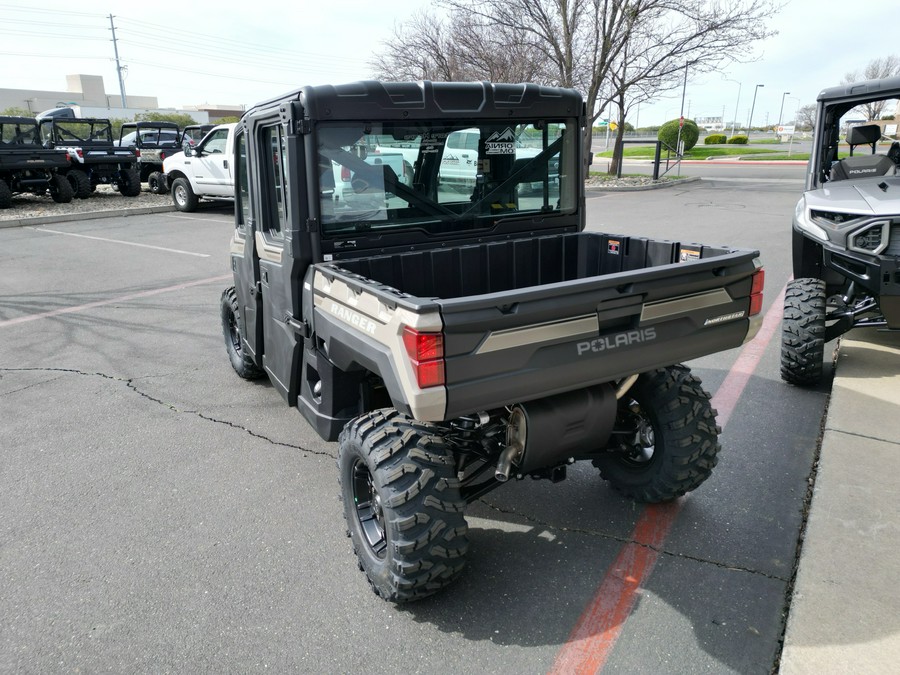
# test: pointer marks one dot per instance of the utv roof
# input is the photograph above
(420, 100)
(151, 125)
(8, 119)
(888, 87)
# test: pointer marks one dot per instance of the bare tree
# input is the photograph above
(806, 116)
(584, 41)
(876, 69)
(462, 47)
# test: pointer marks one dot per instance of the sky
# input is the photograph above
(239, 53)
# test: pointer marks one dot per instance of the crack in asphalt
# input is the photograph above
(130, 384)
(626, 540)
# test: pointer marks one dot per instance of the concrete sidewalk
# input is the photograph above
(845, 611)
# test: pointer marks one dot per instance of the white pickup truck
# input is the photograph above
(202, 172)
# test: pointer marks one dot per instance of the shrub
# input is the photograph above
(715, 139)
(738, 140)
(668, 134)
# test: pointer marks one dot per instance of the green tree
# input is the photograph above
(16, 112)
(229, 119)
(668, 134)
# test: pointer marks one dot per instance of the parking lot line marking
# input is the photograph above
(111, 301)
(205, 220)
(597, 629)
(119, 241)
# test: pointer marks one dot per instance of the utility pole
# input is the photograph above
(112, 27)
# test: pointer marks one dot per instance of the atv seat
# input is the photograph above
(862, 166)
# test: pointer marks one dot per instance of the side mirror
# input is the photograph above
(188, 150)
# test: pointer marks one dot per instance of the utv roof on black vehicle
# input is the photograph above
(424, 100)
(13, 119)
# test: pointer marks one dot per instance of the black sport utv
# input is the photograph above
(26, 166)
(93, 156)
(846, 230)
(152, 142)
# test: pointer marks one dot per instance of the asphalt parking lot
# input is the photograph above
(165, 516)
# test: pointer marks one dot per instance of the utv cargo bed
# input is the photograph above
(533, 317)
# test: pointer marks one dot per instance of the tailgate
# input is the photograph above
(532, 343)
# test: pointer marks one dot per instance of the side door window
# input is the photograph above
(242, 194)
(273, 153)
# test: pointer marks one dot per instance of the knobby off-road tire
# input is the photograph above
(183, 196)
(81, 184)
(231, 330)
(130, 182)
(157, 183)
(803, 332)
(676, 444)
(60, 189)
(5, 195)
(402, 503)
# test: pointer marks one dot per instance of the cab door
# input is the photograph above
(211, 164)
(275, 262)
(244, 262)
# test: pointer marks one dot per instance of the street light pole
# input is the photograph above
(781, 109)
(752, 106)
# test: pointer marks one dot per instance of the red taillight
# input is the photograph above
(80, 152)
(345, 174)
(137, 152)
(756, 291)
(162, 155)
(426, 352)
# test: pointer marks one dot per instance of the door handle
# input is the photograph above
(225, 163)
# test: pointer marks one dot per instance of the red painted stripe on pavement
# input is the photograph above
(111, 301)
(745, 365)
(597, 629)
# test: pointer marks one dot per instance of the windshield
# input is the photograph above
(855, 144)
(19, 133)
(78, 131)
(441, 176)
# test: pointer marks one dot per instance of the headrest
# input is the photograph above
(864, 134)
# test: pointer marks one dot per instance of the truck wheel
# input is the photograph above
(183, 196)
(803, 332)
(81, 184)
(130, 182)
(157, 183)
(666, 440)
(60, 189)
(5, 195)
(231, 328)
(402, 505)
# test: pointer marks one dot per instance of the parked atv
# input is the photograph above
(846, 231)
(93, 157)
(26, 166)
(152, 142)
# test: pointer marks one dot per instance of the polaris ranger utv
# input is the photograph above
(26, 166)
(453, 341)
(846, 230)
(93, 157)
(152, 143)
